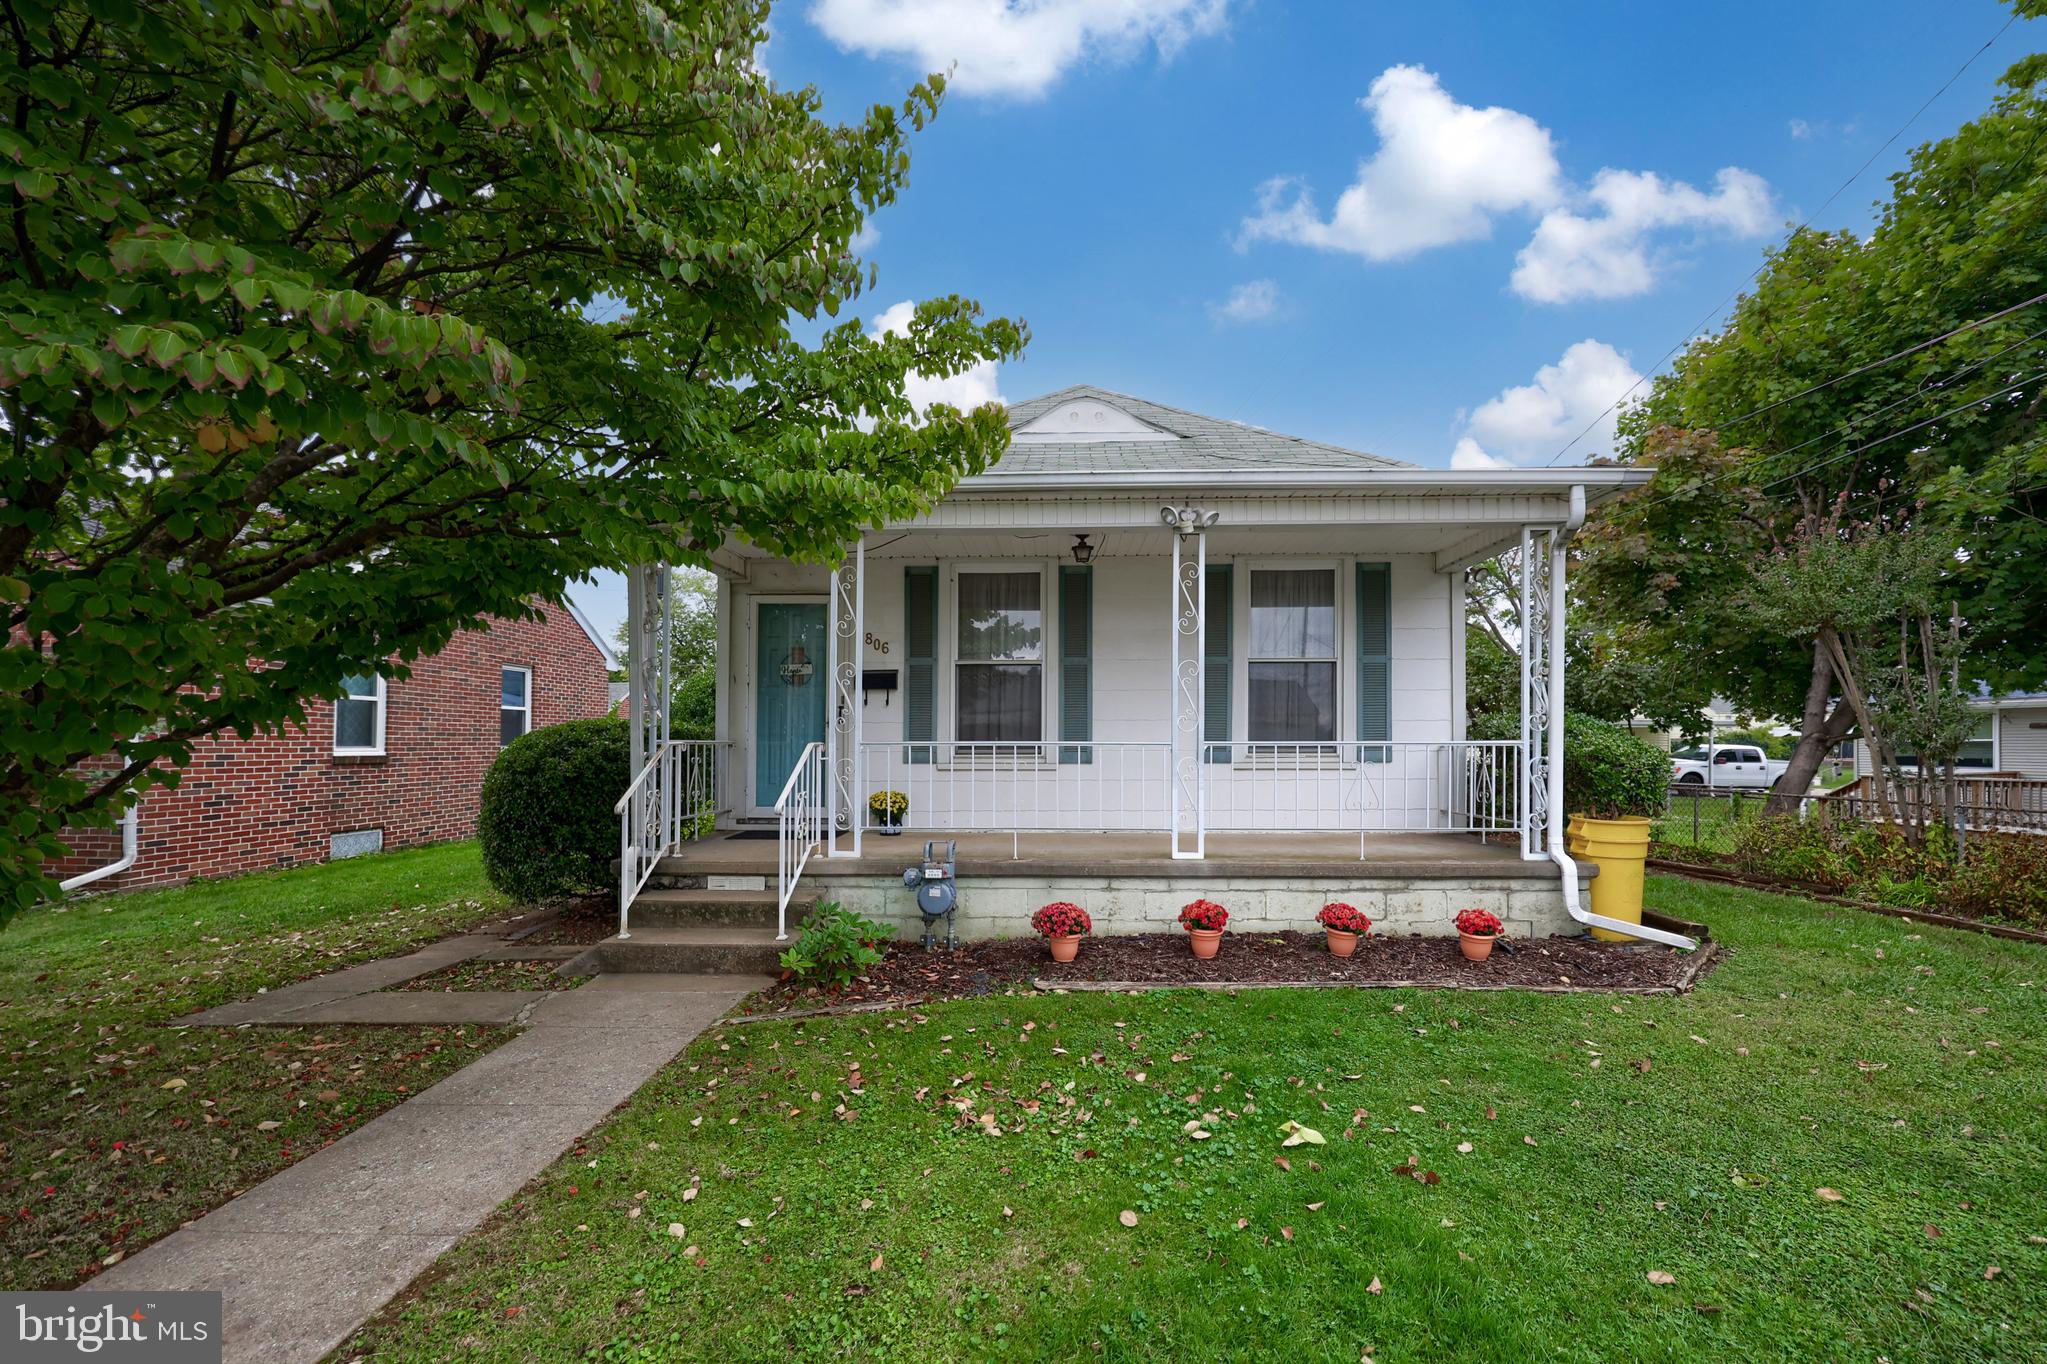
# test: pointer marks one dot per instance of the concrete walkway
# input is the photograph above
(307, 1256)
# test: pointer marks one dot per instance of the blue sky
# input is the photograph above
(1537, 202)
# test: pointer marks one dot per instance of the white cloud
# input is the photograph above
(1255, 301)
(1529, 423)
(1573, 255)
(1469, 454)
(966, 390)
(866, 239)
(1443, 171)
(1014, 47)
(1801, 130)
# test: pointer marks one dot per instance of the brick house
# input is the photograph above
(393, 764)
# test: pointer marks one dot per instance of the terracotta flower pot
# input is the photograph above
(1476, 946)
(1065, 947)
(1341, 944)
(1205, 941)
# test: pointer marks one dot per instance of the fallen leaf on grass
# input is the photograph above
(176, 1082)
(1993, 1271)
(1127, 1217)
(1829, 1195)
(874, 1265)
(1287, 1232)
(1933, 1231)
(1317, 1207)
(1463, 1148)
(1375, 1286)
(1283, 1163)
(1660, 1278)
(1529, 1141)
(1297, 1134)
(689, 1195)
(676, 1230)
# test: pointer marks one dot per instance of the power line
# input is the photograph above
(1705, 321)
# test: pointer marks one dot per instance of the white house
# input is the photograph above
(1149, 655)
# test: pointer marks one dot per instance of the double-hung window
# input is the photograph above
(515, 703)
(1000, 674)
(1292, 656)
(359, 716)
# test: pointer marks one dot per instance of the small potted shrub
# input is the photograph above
(1345, 925)
(890, 809)
(1476, 931)
(1061, 924)
(1204, 921)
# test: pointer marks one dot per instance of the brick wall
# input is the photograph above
(246, 805)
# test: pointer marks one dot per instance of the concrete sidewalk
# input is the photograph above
(307, 1256)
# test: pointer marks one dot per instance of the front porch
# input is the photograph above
(1408, 883)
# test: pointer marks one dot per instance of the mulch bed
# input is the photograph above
(494, 975)
(911, 975)
(579, 922)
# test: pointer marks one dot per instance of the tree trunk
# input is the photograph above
(1819, 729)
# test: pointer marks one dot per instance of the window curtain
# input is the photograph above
(1001, 645)
(1293, 632)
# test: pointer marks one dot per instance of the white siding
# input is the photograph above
(2022, 741)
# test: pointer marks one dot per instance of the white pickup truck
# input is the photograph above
(1728, 765)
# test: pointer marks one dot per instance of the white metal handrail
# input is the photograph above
(1462, 786)
(1020, 787)
(1117, 786)
(801, 817)
(677, 794)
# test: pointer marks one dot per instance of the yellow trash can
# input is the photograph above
(1618, 847)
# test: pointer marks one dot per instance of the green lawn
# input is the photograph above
(98, 1156)
(847, 1206)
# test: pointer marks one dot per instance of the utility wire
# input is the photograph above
(1719, 307)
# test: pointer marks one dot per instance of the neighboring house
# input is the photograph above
(2010, 738)
(391, 764)
(1148, 655)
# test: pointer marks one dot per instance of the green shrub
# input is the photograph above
(2005, 877)
(835, 947)
(1609, 773)
(545, 819)
(1814, 851)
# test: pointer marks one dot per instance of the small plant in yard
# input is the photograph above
(1204, 921)
(1345, 925)
(836, 947)
(1476, 930)
(890, 809)
(1061, 924)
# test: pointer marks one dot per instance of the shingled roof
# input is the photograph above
(1188, 443)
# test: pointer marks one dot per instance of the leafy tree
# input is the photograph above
(331, 328)
(1807, 401)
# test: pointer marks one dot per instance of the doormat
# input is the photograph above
(742, 835)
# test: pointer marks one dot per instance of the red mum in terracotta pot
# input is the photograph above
(1061, 925)
(1476, 931)
(1345, 925)
(1204, 921)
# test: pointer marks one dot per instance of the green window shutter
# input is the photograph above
(1215, 664)
(1375, 658)
(1076, 660)
(920, 660)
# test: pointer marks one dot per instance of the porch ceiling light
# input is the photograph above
(1188, 520)
(1083, 552)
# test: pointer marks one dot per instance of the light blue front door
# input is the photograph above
(790, 687)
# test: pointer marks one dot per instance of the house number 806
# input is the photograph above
(876, 643)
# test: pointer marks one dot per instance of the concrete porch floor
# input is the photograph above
(1403, 856)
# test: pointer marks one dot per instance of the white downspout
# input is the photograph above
(1573, 905)
(131, 824)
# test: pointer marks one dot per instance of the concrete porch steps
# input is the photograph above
(662, 908)
(704, 949)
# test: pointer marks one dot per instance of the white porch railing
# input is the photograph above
(677, 794)
(1349, 787)
(804, 819)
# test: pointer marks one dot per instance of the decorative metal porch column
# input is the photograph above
(845, 640)
(1187, 797)
(1542, 583)
(650, 608)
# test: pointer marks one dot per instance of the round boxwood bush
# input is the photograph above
(1609, 773)
(545, 822)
